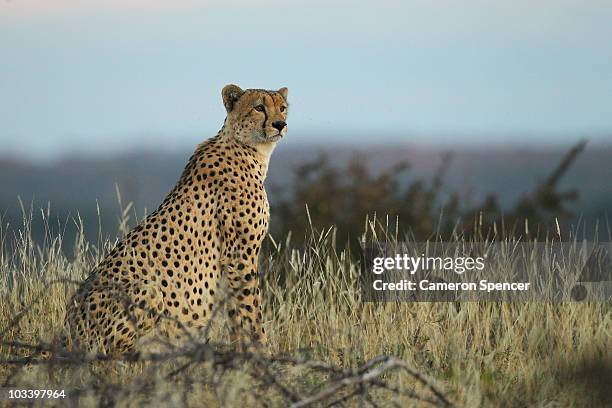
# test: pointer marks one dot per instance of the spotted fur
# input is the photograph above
(164, 276)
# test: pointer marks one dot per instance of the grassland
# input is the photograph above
(477, 354)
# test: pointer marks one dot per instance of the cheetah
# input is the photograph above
(164, 275)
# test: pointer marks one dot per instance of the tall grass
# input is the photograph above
(479, 353)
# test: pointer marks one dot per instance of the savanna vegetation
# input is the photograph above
(326, 346)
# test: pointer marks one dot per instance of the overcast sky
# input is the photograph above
(105, 75)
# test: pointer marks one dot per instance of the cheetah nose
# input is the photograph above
(279, 125)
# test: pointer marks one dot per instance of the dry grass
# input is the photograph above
(478, 354)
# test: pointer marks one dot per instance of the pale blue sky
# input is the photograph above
(102, 76)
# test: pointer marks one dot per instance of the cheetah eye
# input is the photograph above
(259, 108)
(282, 108)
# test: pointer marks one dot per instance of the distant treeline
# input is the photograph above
(431, 193)
(324, 195)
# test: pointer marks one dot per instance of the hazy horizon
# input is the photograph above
(350, 140)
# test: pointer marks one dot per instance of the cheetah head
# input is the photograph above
(256, 116)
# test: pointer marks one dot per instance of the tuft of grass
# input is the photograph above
(480, 354)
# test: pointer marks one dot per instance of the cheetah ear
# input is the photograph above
(231, 93)
(283, 91)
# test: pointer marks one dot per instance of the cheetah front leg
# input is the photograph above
(244, 303)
